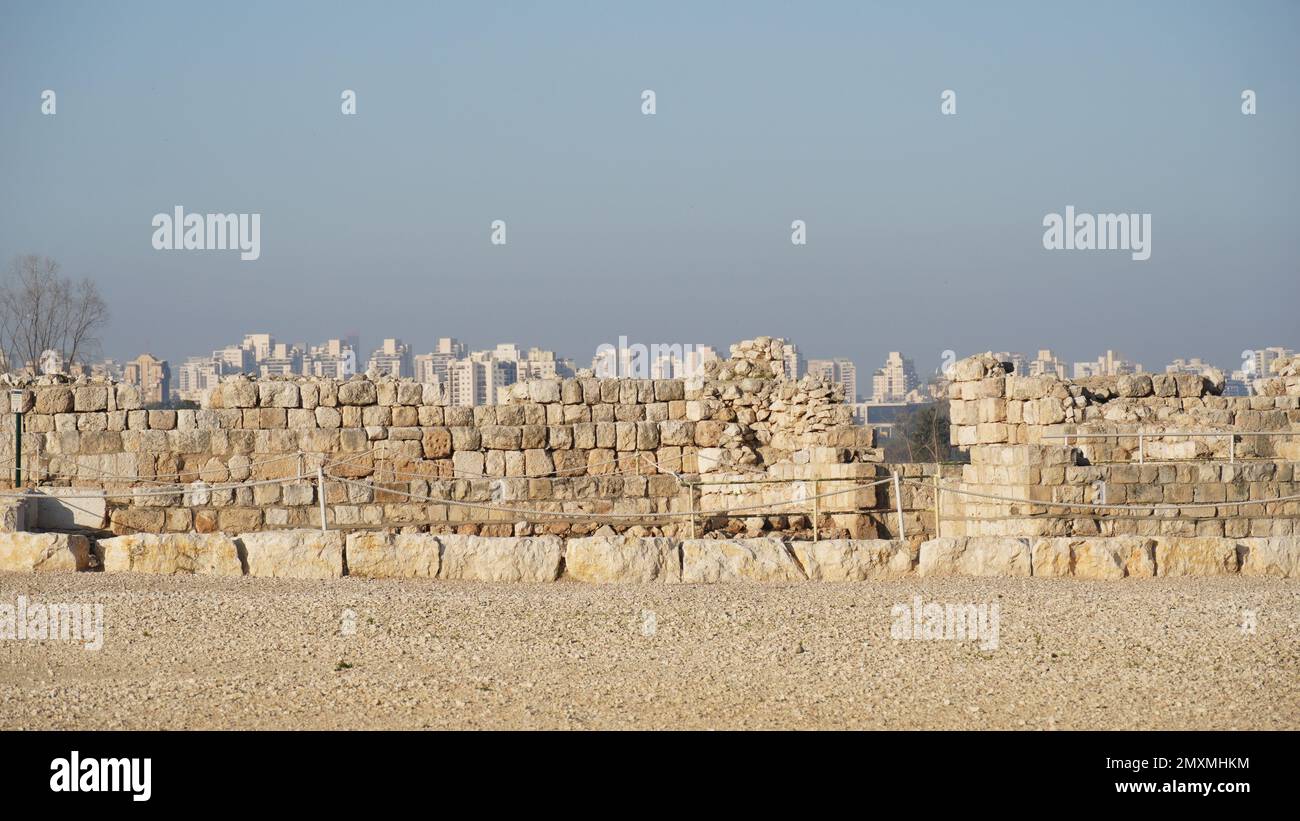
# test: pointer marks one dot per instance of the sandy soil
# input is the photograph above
(198, 652)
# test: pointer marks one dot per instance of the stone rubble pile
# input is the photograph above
(1286, 377)
(761, 358)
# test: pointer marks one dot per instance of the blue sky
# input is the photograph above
(924, 231)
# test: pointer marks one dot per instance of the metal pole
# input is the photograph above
(898, 502)
(1141, 449)
(320, 493)
(690, 495)
(18, 448)
(817, 507)
(1232, 448)
(938, 506)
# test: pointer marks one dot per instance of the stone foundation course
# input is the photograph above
(315, 554)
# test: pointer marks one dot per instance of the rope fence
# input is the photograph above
(322, 475)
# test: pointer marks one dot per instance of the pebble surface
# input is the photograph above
(206, 652)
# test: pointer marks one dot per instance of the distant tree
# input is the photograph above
(922, 435)
(41, 311)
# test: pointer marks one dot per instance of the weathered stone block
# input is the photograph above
(294, 554)
(975, 556)
(1272, 556)
(604, 559)
(41, 552)
(1195, 556)
(384, 555)
(172, 553)
(358, 392)
(527, 559)
(724, 560)
(853, 560)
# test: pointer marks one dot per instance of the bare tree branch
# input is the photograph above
(41, 311)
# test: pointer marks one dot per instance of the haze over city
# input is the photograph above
(924, 231)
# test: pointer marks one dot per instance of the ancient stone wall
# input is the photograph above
(1115, 457)
(560, 456)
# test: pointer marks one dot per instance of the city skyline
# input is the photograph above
(475, 376)
(924, 231)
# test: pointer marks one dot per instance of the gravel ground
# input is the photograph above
(201, 652)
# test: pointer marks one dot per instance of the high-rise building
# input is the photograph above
(336, 359)
(1019, 362)
(1260, 364)
(236, 359)
(259, 344)
(196, 376)
(477, 379)
(823, 370)
(152, 376)
(838, 371)
(393, 358)
(1195, 365)
(1047, 364)
(793, 361)
(433, 367)
(282, 359)
(895, 380)
(1110, 364)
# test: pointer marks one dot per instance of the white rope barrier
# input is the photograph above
(1095, 506)
(585, 515)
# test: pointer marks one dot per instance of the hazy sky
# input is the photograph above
(924, 231)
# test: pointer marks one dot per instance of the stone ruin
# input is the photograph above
(738, 474)
(585, 453)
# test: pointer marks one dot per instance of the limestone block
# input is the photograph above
(544, 390)
(1094, 558)
(501, 437)
(26, 552)
(1050, 557)
(853, 560)
(1195, 556)
(1113, 558)
(56, 399)
(54, 512)
(294, 554)
(383, 555)
(726, 560)
(604, 559)
(172, 553)
(1134, 385)
(1273, 556)
(358, 392)
(504, 559)
(235, 393)
(975, 556)
(16, 513)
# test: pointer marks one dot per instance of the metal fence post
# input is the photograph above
(690, 495)
(817, 508)
(898, 503)
(320, 494)
(938, 505)
(16, 401)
